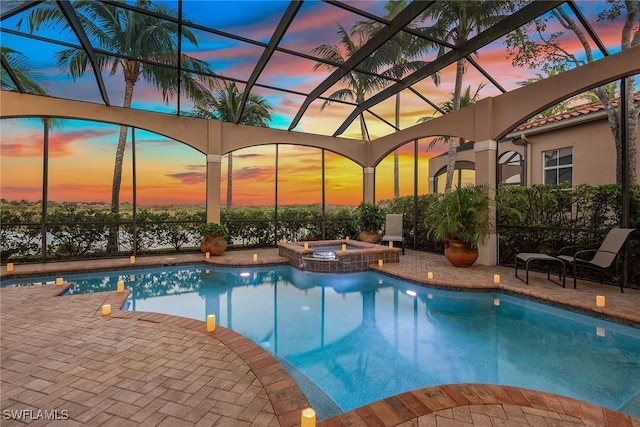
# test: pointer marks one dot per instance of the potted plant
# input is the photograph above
(370, 220)
(214, 238)
(461, 219)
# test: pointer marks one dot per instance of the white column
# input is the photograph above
(432, 184)
(485, 153)
(214, 169)
(369, 184)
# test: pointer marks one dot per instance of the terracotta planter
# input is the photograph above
(460, 254)
(369, 236)
(214, 245)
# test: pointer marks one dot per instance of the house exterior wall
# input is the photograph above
(594, 155)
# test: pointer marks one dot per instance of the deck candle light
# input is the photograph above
(59, 281)
(496, 279)
(106, 309)
(132, 259)
(380, 263)
(306, 245)
(344, 247)
(207, 255)
(255, 257)
(390, 244)
(308, 418)
(9, 266)
(211, 323)
(430, 275)
(600, 301)
(120, 286)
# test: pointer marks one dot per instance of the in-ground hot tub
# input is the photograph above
(327, 256)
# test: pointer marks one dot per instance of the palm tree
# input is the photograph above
(225, 105)
(22, 70)
(455, 21)
(466, 99)
(358, 84)
(400, 52)
(131, 35)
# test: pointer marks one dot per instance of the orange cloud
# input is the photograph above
(189, 178)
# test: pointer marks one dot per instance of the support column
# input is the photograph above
(485, 153)
(214, 169)
(432, 184)
(369, 184)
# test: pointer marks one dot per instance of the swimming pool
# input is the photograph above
(353, 339)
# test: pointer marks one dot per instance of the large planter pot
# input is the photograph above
(460, 254)
(369, 236)
(214, 245)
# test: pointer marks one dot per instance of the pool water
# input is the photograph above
(351, 339)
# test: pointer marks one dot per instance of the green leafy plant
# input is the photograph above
(462, 214)
(214, 230)
(370, 216)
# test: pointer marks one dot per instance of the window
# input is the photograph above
(558, 165)
(510, 169)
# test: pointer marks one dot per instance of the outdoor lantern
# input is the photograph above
(211, 323)
(106, 309)
(308, 418)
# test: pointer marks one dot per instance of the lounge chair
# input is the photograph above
(605, 259)
(393, 230)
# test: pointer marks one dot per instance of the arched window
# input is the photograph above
(511, 169)
(464, 173)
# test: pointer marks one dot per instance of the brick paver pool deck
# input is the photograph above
(134, 368)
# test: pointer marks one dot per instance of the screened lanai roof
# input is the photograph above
(271, 48)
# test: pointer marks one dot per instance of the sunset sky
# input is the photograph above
(82, 153)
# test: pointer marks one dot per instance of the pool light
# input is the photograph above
(245, 274)
(496, 302)
(600, 332)
(411, 293)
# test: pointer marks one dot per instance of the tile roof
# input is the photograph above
(581, 110)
